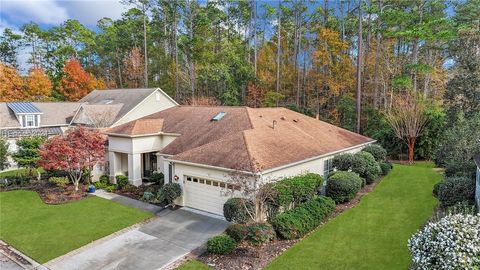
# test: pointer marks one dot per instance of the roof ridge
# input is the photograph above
(251, 159)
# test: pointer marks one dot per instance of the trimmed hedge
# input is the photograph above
(343, 162)
(157, 178)
(343, 186)
(377, 151)
(237, 231)
(455, 190)
(385, 167)
(366, 166)
(297, 222)
(221, 244)
(296, 190)
(234, 210)
(260, 233)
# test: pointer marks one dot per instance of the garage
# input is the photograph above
(205, 194)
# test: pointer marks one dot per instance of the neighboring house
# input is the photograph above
(202, 147)
(109, 108)
(20, 119)
(99, 109)
(477, 190)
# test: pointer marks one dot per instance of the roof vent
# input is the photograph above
(283, 118)
(218, 116)
(295, 120)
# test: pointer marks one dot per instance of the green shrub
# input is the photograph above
(169, 192)
(59, 181)
(110, 188)
(237, 231)
(297, 222)
(343, 186)
(455, 190)
(365, 165)
(436, 187)
(221, 244)
(148, 196)
(343, 162)
(234, 210)
(104, 179)
(122, 181)
(385, 167)
(100, 185)
(260, 233)
(157, 178)
(377, 151)
(296, 190)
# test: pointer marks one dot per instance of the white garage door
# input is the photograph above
(204, 194)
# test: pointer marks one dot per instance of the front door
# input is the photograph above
(149, 164)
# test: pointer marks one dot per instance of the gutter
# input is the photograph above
(141, 135)
(209, 166)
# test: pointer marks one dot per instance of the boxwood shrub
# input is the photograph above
(122, 181)
(366, 166)
(235, 210)
(260, 233)
(237, 231)
(169, 192)
(297, 222)
(221, 244)
(343, 162)
(343, 186)
(296, 190)
(385, 167)
(455, 190)
(377, 151)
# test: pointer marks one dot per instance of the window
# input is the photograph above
(327, 167)
(30, 120)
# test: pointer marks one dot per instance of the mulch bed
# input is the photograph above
(137, 192)
(52, 194)
(251, 257)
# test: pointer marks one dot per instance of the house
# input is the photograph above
(477, 189)
(20, 119)
(99, 109)
(108, 108)
(202, 147)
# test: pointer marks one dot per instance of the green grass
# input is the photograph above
(193, 265)
(44, 232)
(20, 172)
(374, 234)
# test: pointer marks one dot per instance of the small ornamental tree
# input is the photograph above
(27, 154)
(77, 150)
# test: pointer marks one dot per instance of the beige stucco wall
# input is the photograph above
(148, 106)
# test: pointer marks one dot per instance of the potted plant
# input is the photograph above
(91, 189)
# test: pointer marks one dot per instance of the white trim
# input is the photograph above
(155, 90)
(317, 157)
(140, 135)
(207, 166)
(78, 110)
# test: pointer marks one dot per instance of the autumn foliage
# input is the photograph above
(38, 85)
(11, 84)
(78, 150)
(76, 82)
(134, 66)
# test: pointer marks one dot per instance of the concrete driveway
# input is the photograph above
(156, 244)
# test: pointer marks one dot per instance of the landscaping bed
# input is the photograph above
(51, 193)
(248, 257)
(136, 193)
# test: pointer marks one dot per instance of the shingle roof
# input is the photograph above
(128, 98)
(244, 138)
(54, 114)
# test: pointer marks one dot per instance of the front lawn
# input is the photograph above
(374, 234)
(44, 232)
(193, 265)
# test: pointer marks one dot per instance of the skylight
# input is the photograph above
(218, 116)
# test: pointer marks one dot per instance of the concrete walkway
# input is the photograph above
(128, 201)
(154, 245)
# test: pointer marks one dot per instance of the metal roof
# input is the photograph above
(23, 108)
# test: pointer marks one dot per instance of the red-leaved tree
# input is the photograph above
(77, 150)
